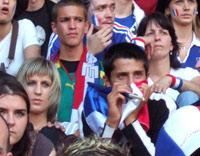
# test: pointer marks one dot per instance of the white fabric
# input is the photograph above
(184, 73)
(26, 37)
(130, 106)
(184, 128)
(196, 42)
(143, 136)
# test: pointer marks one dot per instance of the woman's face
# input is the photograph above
(7, 10)
(13, 108)
(182, 12)
(38, 89)
(162, 40)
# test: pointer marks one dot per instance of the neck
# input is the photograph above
(158, 68)
(38, 120)
(5, 29)
(71, 53)
(123, 8)
(37, 5)
(186, 36)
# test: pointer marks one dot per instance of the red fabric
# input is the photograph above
(80, 82)
(149, 6)
(143, 115)
(173, 80)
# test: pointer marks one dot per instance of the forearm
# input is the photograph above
(190, 86)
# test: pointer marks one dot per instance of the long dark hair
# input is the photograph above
(164, 23)
(10, 86)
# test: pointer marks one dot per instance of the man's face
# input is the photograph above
(71, 25)
(127, 71)
(104, 11)
(3, 137)
(7, 10)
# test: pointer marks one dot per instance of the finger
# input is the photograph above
(90, 31)
(107, 31)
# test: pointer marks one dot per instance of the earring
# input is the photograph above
(170, 53)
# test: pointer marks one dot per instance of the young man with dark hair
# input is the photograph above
(76, 66)
(126, 67)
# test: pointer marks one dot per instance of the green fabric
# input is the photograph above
(67, 92)
(67, 95)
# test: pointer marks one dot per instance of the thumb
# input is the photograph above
(90, 30)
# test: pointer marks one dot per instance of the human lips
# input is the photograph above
(36, 101)
(72, 34)
(5, 10)
(186, 15)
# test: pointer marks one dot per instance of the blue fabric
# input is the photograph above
(186, 98)
(96, 99)
(192, 58)
(165, 146)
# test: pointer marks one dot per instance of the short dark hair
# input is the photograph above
(164, 23)
(123, 50)
(63, 3)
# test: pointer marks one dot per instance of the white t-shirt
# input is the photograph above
(26, 37)
(184, 73)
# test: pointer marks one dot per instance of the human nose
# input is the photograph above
(10, 119)
(38, 89)
(109, 12)
(157, 36)
(130, 80)
(5, 1)
(186, 5)
(72, 24)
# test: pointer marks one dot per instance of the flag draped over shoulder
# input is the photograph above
(96, 108)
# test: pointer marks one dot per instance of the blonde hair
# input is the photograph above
(196, 26)
(95, 146)
(41, 66)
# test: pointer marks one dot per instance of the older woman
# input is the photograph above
(164, 68)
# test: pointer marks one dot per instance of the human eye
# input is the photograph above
(20, 113)
(121, 75)
(164, 32)
(138, 74)
(112, 8)
(100, 8)
(178, 1)
(31, 83)
(150, 33)
(79, 19)
(46, 84)
(2, 111)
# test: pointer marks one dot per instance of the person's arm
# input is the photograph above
(32, 51)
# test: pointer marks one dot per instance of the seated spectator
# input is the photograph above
(4, 138)
(180, 135)
(23, 35)
(94, 146)
(75, 64)
(41, 81)
(39, 12)
(15, 107)
(126, 69)
(185, 17)
(106, 30)
(165, 74)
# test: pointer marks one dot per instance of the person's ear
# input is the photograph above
(167, 12)
(106, 81)
(86, 27)
(53, 27)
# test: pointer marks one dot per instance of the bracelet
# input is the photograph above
(173, 80)
(176, 83)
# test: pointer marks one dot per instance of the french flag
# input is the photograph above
(180, 135)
